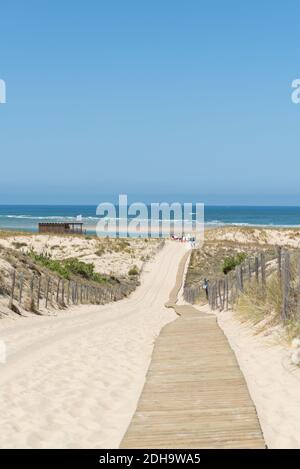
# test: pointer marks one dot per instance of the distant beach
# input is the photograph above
(27, 217)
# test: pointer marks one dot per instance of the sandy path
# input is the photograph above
(73, 381)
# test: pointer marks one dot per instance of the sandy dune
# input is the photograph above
(73, 381)
(109, 256)
(287, 237)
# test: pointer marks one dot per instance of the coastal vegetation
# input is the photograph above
(39, 272)
(271, 302)
(19, 245)
(133, 271)
(230, 263)
(277, 302)
(66, 268)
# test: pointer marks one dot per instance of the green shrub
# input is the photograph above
(68, 267)
(133, 271)
(19, 245)
(120, 245)
(230, 263)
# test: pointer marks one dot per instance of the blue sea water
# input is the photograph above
(27, 217)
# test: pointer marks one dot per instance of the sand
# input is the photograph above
(287, 237)
(273, 382)
(73, 381)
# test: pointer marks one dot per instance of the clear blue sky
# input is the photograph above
(172, 98)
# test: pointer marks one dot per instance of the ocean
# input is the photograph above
(27, 217)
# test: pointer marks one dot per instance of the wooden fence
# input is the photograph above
(35, 291)
(223, 291)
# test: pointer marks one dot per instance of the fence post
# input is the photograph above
(229, 289)
(226, 292)
(256, 269)
(215, 295)
(47, 290)
(279, 261)
(21, 283)
(286, 277)
(239, 277)
(76, 292)
(263, 269)
(214, 301)
(68, 293)
(57, 290)
(52, 292)
(11, 301)
(249, 269)
(72, 292)
(212, 296)
(209, 294)
(38, 292)
(32, 293)
(63, 292)
(242, 277)
(222, 293)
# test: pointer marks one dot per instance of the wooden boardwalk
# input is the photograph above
(195, 395)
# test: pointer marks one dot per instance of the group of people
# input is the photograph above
(183, 238)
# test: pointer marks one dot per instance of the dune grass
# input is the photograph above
(257, 303)
(263, 307)
(68, 267)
